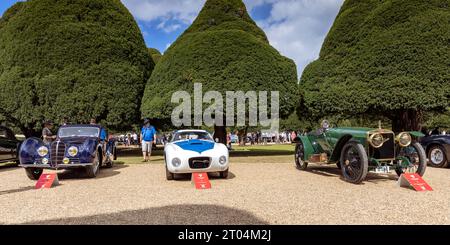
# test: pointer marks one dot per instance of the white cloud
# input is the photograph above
(296, 28)
(183, 11)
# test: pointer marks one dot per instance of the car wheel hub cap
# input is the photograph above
(437, 156)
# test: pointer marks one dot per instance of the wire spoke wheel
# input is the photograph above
(300, 156)
(416, 157)
(354, 163)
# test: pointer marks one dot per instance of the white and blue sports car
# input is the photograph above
(191, 151)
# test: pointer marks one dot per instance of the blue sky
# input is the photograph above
(296, 28)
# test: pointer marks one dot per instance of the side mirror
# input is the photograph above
(216, 140)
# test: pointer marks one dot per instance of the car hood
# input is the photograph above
(195, 145)
(356, 132)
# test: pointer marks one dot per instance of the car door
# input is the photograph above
(8, 145)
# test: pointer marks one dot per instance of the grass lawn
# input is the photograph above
(239, 154)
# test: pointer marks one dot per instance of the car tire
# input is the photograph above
(169, 175)
(437, 157)
(34, 173)
(115, 153)
(422, 165)
(224, 174)
(299, 155)
(109, 163)
(354, 162)
(92, 171)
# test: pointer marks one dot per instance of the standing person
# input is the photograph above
(293, 135)
(47, 135)
(148, 138)
(135, 138)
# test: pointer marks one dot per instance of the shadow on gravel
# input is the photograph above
(79, 174)
(21, 189)
(211, 176)
(8, 167)
(333, 171)
(168, 215)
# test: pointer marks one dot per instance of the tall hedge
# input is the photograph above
(155, 54)
(385, 57)
(224, 50)
(79, 59)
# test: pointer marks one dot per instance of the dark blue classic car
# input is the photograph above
(437, 148)
(76, 146)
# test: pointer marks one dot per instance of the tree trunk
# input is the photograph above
(407, 120)
(30, 132)
(242, 136)
(220, 133)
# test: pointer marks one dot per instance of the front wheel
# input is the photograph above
(354, 162)
(299, 156)
(92, 170)
(34, 173)
(224, 174)
(169, 175)
(437, 157)
(416, 157)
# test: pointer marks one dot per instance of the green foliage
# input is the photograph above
(80, 59)
(224, 50)
(155, 54)
(382, 57)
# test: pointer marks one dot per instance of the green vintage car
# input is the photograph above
(359, 150)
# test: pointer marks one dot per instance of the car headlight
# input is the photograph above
(42, 151)
(44, 160)
(73, 151)
(223, 160)
(376, 140)
(404, 139)
(176, 162)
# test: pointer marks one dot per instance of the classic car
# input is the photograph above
(76, 146)
(9, 146)
(192, 151)
(359, 150)
(437, 148)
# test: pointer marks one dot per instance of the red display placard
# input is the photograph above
(201, 181)
(47, 181)
(415, 181)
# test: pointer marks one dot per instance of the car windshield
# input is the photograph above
(191, 135)
(79, 132)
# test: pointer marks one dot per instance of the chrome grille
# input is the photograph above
(199, 162)
(57, 151)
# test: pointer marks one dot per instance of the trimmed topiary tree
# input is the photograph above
(388, 57)
(224, 50)
(155, 54)
(79, 59)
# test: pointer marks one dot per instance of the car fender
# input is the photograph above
(336, 154)
(28, 150)
(307, 146)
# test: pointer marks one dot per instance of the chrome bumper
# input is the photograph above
(59, 166)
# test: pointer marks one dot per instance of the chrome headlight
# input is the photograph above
(176, 162)
(376, 140)
(72, 151)
(223, 160)
(42, 151)
(404, 139)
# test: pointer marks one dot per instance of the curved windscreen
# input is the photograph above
(79, 132)
(199, 135)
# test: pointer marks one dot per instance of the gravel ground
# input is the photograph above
(255, 193)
